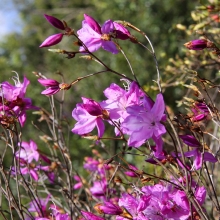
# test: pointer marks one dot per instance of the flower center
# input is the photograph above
(106, 37)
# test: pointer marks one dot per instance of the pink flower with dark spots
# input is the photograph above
(144, 122)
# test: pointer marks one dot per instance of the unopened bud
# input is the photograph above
(199, 44)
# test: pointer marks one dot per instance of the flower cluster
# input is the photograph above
(92, 35)
(117, 187)
(26, 155)
(161, 201)
(43, 212)
(13, 102)
(130, 111)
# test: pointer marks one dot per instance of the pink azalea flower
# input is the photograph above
(134, 206)
(99, 188)
(15, 96)
(144, 122)
(109, 208)
(28, 151)
(119, 100)
(159, 202)
(32, 171)
(94, 165)
(199, 158)
(89, 115)
(94, 36)
(39, 206)
(121, 32)
(57, 213)
(200, 111)
(90, 216)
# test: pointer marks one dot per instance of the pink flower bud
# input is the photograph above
(131, 172)
(48, 82)
(199, 117)
(121, 32)
(55, 22)
(108, 208)
(198, 44)
(52, 40)
(52, 84)
(190, 140)
(89, 215)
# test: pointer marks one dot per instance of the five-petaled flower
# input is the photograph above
(89, 115)
(94, 36)
(144, 122)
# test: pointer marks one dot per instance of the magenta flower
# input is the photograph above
(55, 22)
(52, 40)
(198, 44)
(199, 157)
(97, 166)
(32, 171)
(58, 214)
(79, 183)
(134, 206)
(28, 151)
(190, 140)
(200, 111)
(121, 32)
(53, 86)
(109, 208)
(99, 188)
(90, 216)
(15, 97)
(39, 206)
(89, 115)
(94, 36)
(131, 172)
(144, 122)
(119, 100)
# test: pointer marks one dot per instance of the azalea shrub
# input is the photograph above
(165, 165)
